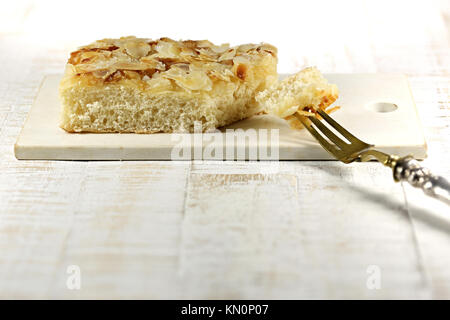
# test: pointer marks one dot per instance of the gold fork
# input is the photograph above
(403, 168)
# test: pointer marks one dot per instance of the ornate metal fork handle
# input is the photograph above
(408, 169)
(403, 168)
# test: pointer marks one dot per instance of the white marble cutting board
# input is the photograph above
(377, 108)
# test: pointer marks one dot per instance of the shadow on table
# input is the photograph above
(425, 215)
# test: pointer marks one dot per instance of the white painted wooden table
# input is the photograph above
(143, 229)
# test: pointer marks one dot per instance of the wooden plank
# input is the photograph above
(264, 235)
(127, 232)
(431, 217)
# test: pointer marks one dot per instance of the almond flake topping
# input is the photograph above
(191, 65)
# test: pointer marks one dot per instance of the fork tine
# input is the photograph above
(328, 133)
(323, 142)
(350, 137)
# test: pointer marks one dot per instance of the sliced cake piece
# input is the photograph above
(303, 92)
(140, 85)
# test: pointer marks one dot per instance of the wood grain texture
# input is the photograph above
(220, 229)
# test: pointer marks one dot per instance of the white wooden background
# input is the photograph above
(225, 230)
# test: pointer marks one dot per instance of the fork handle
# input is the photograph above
(409, 169)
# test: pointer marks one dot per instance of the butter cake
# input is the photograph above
(145, 86)
(303, 93)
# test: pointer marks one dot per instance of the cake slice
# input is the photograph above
(144, 86)
(303, 92)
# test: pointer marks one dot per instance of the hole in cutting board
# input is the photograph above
(382, 107)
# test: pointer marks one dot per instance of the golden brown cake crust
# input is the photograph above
(142, 85)
(191, 64)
